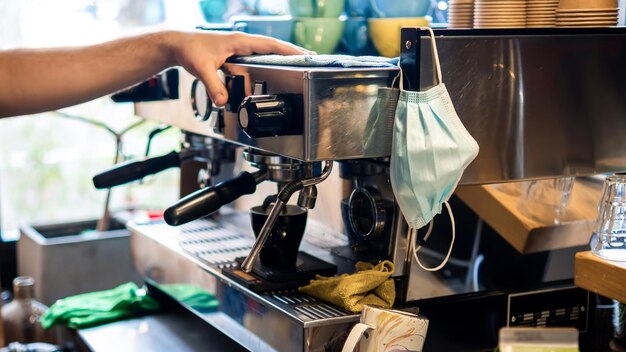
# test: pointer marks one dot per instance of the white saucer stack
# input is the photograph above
(541, 13)
(500, 14)
(460, 13)
(587, 13)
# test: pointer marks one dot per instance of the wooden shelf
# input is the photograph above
(497, 205)
(601, 276)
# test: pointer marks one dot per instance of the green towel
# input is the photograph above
(96, 308)
(193, 296)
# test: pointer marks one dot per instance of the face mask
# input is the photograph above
(431, 149)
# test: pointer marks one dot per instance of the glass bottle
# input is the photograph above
(609, 237)
(21, 316)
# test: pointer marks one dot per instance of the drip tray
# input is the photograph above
(263, 279)
(218, 246)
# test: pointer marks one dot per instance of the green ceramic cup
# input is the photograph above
(321, 35)
(316, 8)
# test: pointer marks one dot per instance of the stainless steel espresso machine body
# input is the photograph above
(307, 118)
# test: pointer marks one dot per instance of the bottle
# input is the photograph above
(21, 316)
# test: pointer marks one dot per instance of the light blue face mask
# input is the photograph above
(431, 149)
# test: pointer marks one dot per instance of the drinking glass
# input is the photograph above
(609, 237)
(545, 201)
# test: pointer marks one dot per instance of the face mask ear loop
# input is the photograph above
(435, 53)
(393, 83)
(400, 75)
(430, 228)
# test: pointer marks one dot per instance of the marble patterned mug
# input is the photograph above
(387, 330)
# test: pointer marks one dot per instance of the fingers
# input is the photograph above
(215, 87)
(258, 44)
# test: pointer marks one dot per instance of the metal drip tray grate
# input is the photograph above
(213, 243)
(207, 240)
(308, 307)
(219, 245)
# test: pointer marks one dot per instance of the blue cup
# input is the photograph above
(397, 8)
(213, 10)
(272, 7)
(355, 38)
(358, 8)
(279, 27)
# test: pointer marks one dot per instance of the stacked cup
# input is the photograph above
(461, 13)
(279, 27)
(318, 26)
(389, 16)
(213, 10)
(541, 13)
(500, 14)
(355, 40)
(587, 13)
(609, 238)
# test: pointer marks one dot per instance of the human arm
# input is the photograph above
(36, 80)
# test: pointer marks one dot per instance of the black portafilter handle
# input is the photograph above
(208, 200)
(135, 170)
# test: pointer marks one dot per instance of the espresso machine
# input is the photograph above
(318, 132)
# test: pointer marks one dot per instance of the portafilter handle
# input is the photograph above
(282, 199)
(208, 200)
(135, 170)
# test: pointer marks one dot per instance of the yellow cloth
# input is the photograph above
(370, 285)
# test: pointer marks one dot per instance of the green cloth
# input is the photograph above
(193, 296)
(370, 284)
(96, 308)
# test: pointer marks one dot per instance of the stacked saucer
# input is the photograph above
(460, 13)
(541, 13)
(587, 13)
(500, 14)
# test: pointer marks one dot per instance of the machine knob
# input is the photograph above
(271, 115)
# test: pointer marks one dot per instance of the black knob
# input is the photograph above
(271, 115)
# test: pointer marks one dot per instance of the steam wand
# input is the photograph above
(282, 199)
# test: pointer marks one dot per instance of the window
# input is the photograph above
(47, 161)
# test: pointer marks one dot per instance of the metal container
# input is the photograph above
(72, 258)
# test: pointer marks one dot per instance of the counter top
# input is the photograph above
(499, 209)
(178, 331)
(601, 276)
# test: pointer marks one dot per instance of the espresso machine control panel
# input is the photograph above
(296, 112)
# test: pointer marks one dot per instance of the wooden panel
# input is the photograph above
(497, 205)
(600, 276)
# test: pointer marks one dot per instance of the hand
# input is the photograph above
(203, 53)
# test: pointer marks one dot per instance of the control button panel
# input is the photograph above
(163, 86)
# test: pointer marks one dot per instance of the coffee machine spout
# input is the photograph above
(281, 199)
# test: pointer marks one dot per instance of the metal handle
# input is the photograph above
(208, 200)
(282, 199)
(135, 170)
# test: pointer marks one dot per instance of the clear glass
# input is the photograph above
(22, 315)
(545, 201)
(609, 237)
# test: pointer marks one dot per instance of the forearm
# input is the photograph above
(46, 79)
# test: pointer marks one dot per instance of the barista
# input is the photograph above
(36, 80)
